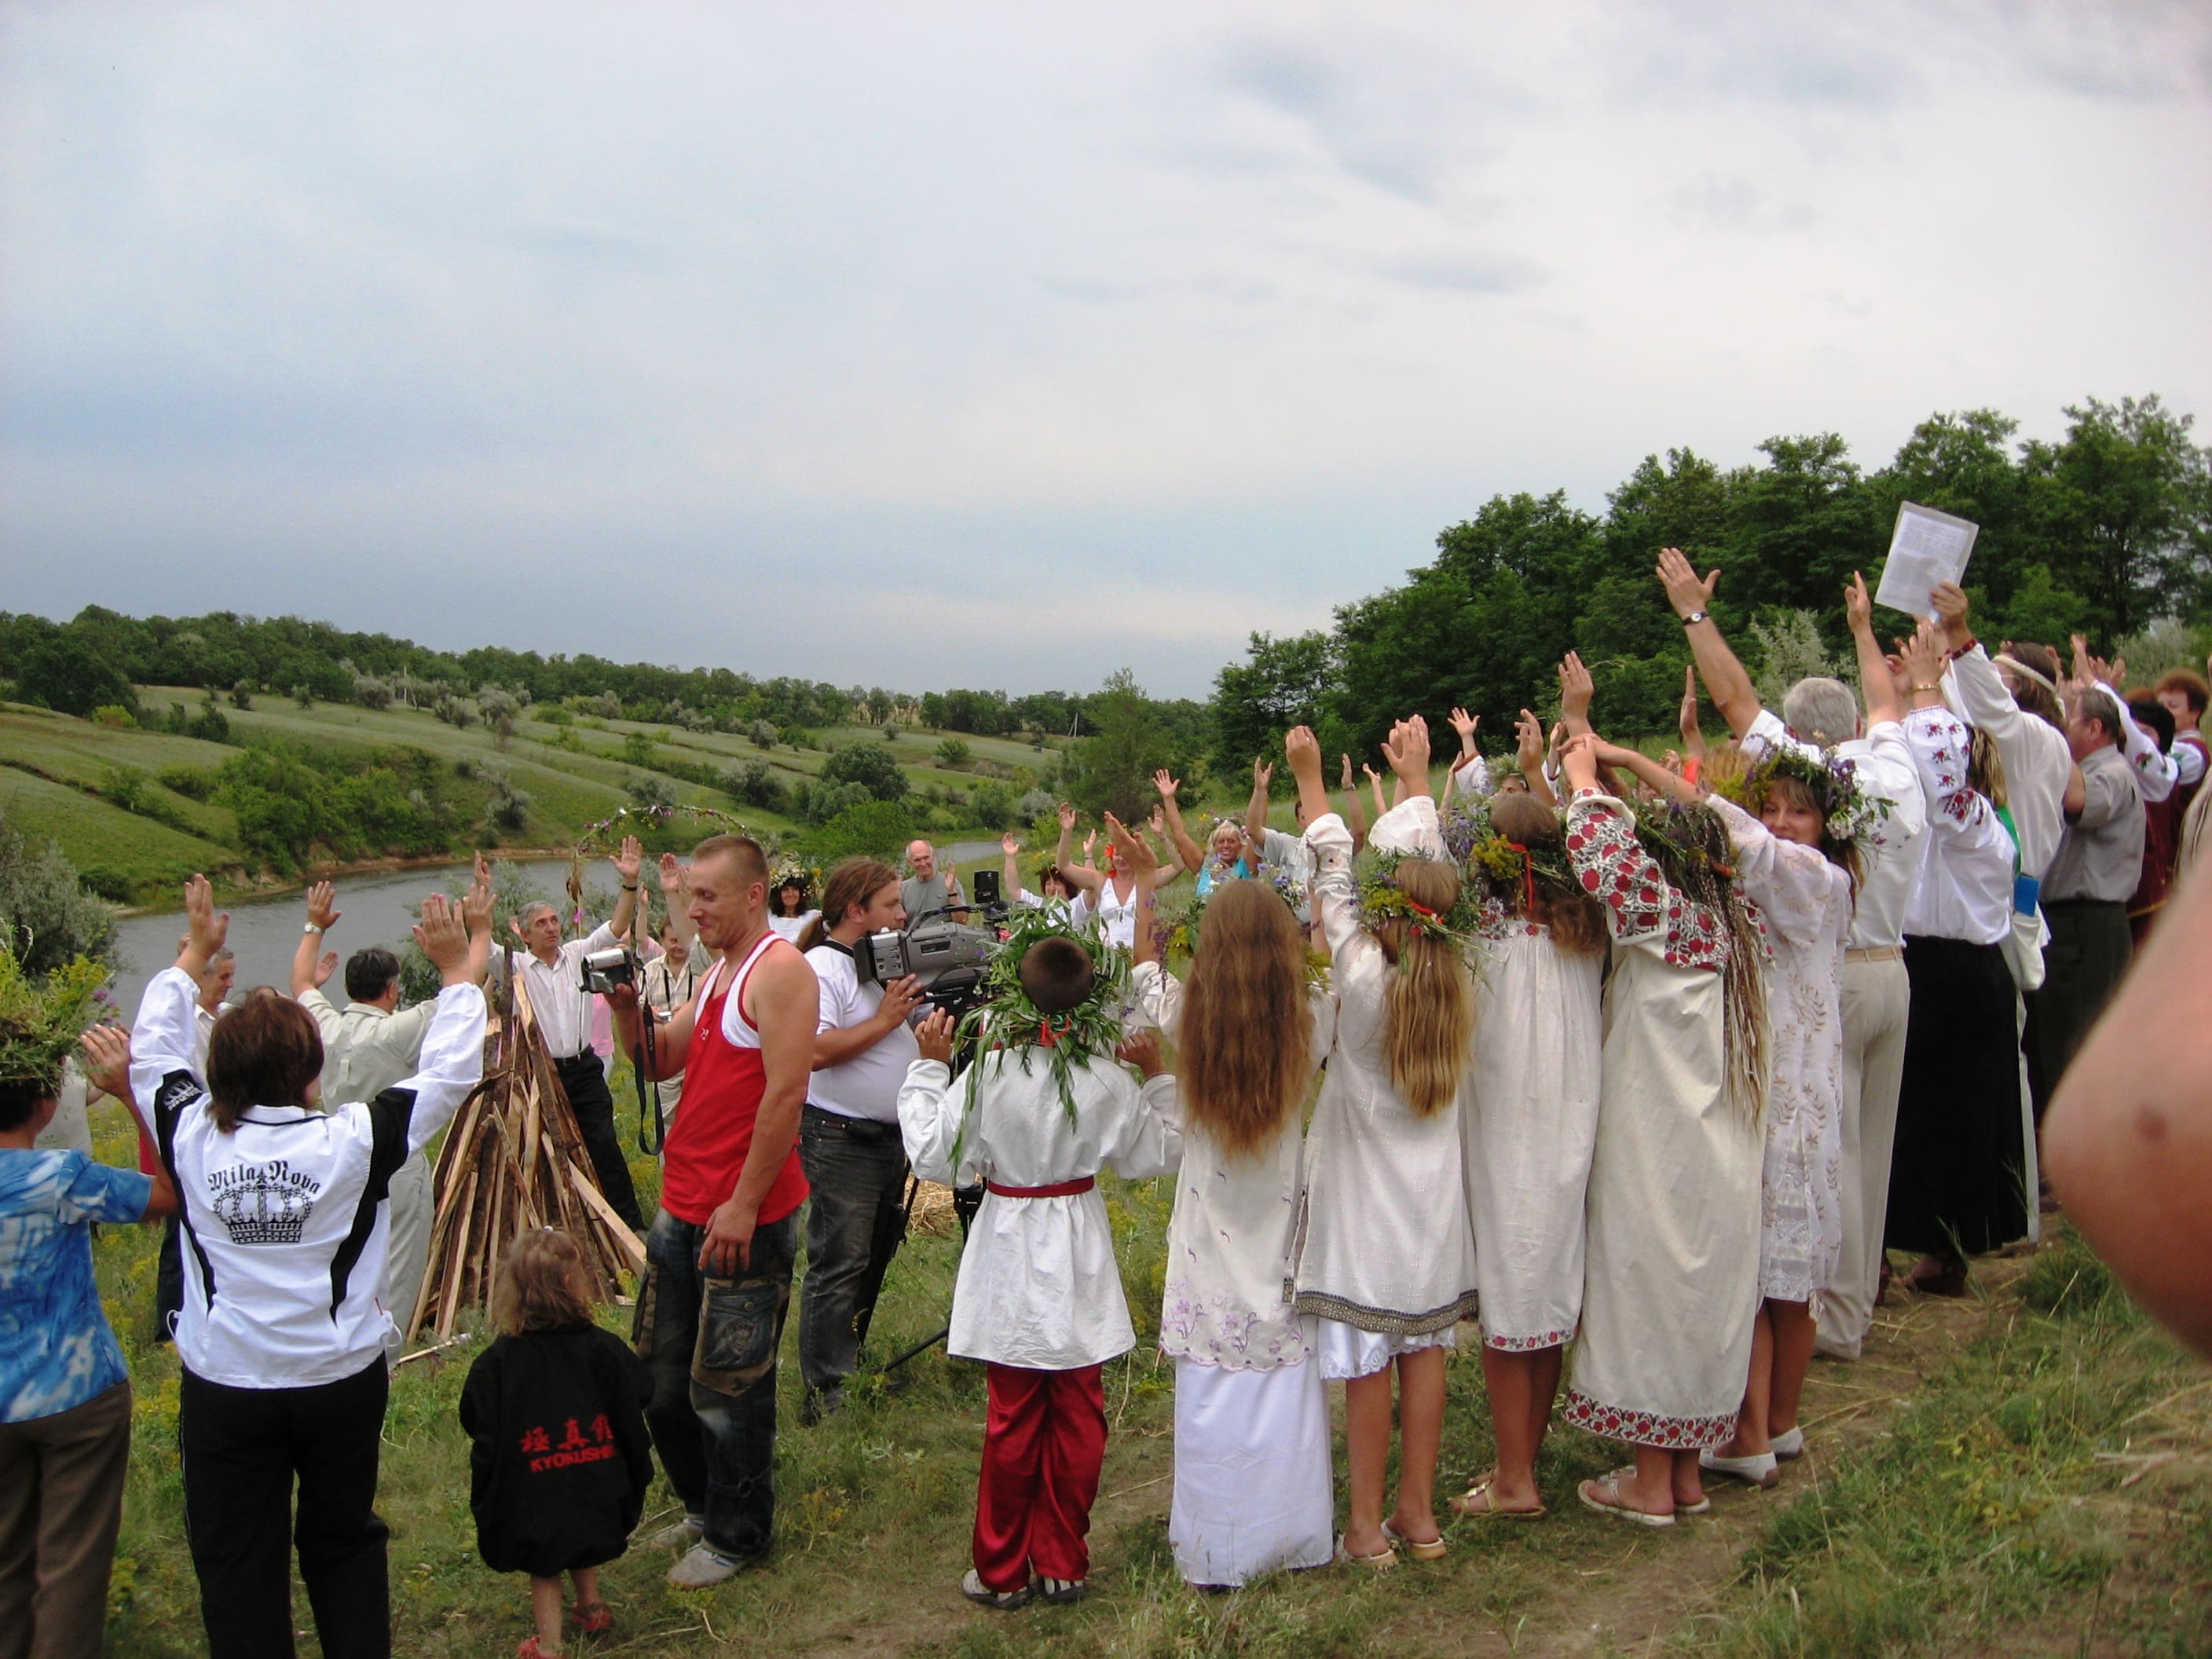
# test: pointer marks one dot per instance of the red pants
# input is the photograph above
(1043, 1443)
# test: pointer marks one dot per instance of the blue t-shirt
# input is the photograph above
(56, 1350)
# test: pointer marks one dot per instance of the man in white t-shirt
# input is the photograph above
(848, 1134)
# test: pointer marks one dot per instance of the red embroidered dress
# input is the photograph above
(1674, 1235)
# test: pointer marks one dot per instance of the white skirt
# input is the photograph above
(1347, 1351)
(1252, 1492)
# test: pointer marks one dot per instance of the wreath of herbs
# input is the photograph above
(1849, 812)
(1004, 1017)
(1465, 826)
(1504, 870)
(1380, 899)
(40, 1023)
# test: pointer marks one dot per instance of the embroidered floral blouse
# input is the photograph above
(1638, 899)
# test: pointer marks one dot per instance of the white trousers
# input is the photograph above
(1252, 1491)
(1876, 996)
(408, 1251)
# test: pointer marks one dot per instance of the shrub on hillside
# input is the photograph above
(991, 805)
(880, 829)
(45, 910)
(868, 766)
(370, 692)
(649, 790)
(798, 737)
(192, 782)
(762, 733)
(304, 695)
(65, 673)
(755, 783)
(115, 716)
(241, 694)
(953, 755)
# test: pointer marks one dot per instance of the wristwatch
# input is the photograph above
(1697, 617)
(311, 928)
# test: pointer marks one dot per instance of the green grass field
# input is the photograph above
(2026, 1471)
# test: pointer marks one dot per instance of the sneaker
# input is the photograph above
(682, 1535)
(1058, 1592)
(704, 1567)
(1789, 1445)
(983, 1595)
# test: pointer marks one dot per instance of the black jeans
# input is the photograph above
(2087, 956)
(711, 1344)
(168, 1282)
(855, 1218)
(241, 1448)
(585, 1080)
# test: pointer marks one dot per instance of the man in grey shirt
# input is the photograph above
(928, 890)
(2086, 888)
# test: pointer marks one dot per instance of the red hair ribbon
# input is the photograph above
(1412, 903)
(1048, 1038)
(1528, 880)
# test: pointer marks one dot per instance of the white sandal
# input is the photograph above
(1611, 1483)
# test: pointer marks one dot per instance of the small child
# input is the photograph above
(556, 1408)
(64, 1394)
(1039, 1296)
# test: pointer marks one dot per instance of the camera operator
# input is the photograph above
(720, 1257)
(552, 972)
(849, 1135)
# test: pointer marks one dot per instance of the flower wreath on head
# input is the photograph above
(1850, 811)
(1005, 1018)
(1381, 899)
(787, 870)
(40, 1023)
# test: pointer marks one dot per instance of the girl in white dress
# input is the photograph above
(1529, 1125)
(1386, 1257)
(1672, 1287)
(1251, 1444)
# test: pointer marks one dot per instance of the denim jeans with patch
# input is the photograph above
(855, 1218)
(711, 1344)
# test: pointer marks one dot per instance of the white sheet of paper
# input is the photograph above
(1926, 547)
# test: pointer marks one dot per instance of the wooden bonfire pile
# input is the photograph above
(514, 1161)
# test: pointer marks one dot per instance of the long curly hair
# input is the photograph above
(1692, 845)
(1430, 1005)
(1243, 1047)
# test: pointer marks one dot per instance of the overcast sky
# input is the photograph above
(1005, 346)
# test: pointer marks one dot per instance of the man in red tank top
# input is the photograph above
(719, 1257)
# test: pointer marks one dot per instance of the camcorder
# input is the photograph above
(616, 965)
(947, 957)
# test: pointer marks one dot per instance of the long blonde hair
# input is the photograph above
(1429, 1004)
(1243, 1048)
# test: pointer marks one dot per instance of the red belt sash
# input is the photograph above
(1058, 1189)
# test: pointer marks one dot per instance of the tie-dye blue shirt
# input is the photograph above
(56, 1350)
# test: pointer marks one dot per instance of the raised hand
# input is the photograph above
(1263, 772)
(1464, 723)
(443, 938)
(1576, 689)
(674, 877)
(1167, 786)
(1344, 774)
(322, 910)
(629, 859)
(107, 1063)
(1686, 718)
(1301, 749)
(1858, 604)
(1684, 592)
(326, 965)
(1138, 857)
(1529, 743)
(1090, 841)
(1067, 817)
(205, 931)
(1142, 1050)
(476, 905)
(1923, 659)
(1009, 845)
(1408, 752)
(933, 1037)
(1578, 761)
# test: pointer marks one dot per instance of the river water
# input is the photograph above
(374, 909)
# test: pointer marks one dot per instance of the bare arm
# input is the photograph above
(1876, 686)
(786, 1003)
(675, 893)
(1139, 858)
(1576, 689)
(107, 1070)
(628, 862)
(1089, 880)
(1255, 810)
(1185, 849)
(1528, 739)
(1355, 817)
(1408, 752)
(1724, 677)
(2129, 1138)
(308, 969)
(1672, 785)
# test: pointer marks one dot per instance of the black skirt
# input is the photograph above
(1956, 1180)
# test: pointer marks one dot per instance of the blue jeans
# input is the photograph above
(855, 1218)
(711, 1346)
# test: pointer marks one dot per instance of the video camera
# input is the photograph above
(605, 970)
(948, 957)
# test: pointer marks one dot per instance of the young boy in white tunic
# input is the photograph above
(1039, 1296)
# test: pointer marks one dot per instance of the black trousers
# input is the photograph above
(855, 1218)
(241, 1448)
(586, 1081)
(2091, 947)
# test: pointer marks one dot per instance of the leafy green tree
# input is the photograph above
(66, 672)
(49, 919)
(952, 755)
(1281, 683)
(1112, 768)
(868, 766)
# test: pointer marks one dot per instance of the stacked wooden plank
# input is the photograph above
(514, 1161)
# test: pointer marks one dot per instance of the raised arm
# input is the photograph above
(1010, 873)
(1685, 717)
(1255, 810)
(1406, 749)
(1171, 809)
(1875, 687)
(1725, 680)
(1529, 740)
(1138, 857)
(162, 1038)
(106, 1065)
(1576, 690)
(676, 893)
(1354, 815)
(310, 970)
(1673, 784)
(1601, 847)
(1063, 855)
(452, 1049)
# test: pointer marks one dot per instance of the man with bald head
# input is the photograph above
(929, 889)
(552, 972)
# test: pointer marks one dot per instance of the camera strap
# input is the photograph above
(649, 1092)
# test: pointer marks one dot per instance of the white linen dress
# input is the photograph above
(1528, 1127)
(1806, 902)
(1252, 1475)
(1672, 1288)
(1038, 1285)
(1386, 1256)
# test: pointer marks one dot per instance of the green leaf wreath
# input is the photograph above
(40, 1023)
(1849, 812)
(1380, 899)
